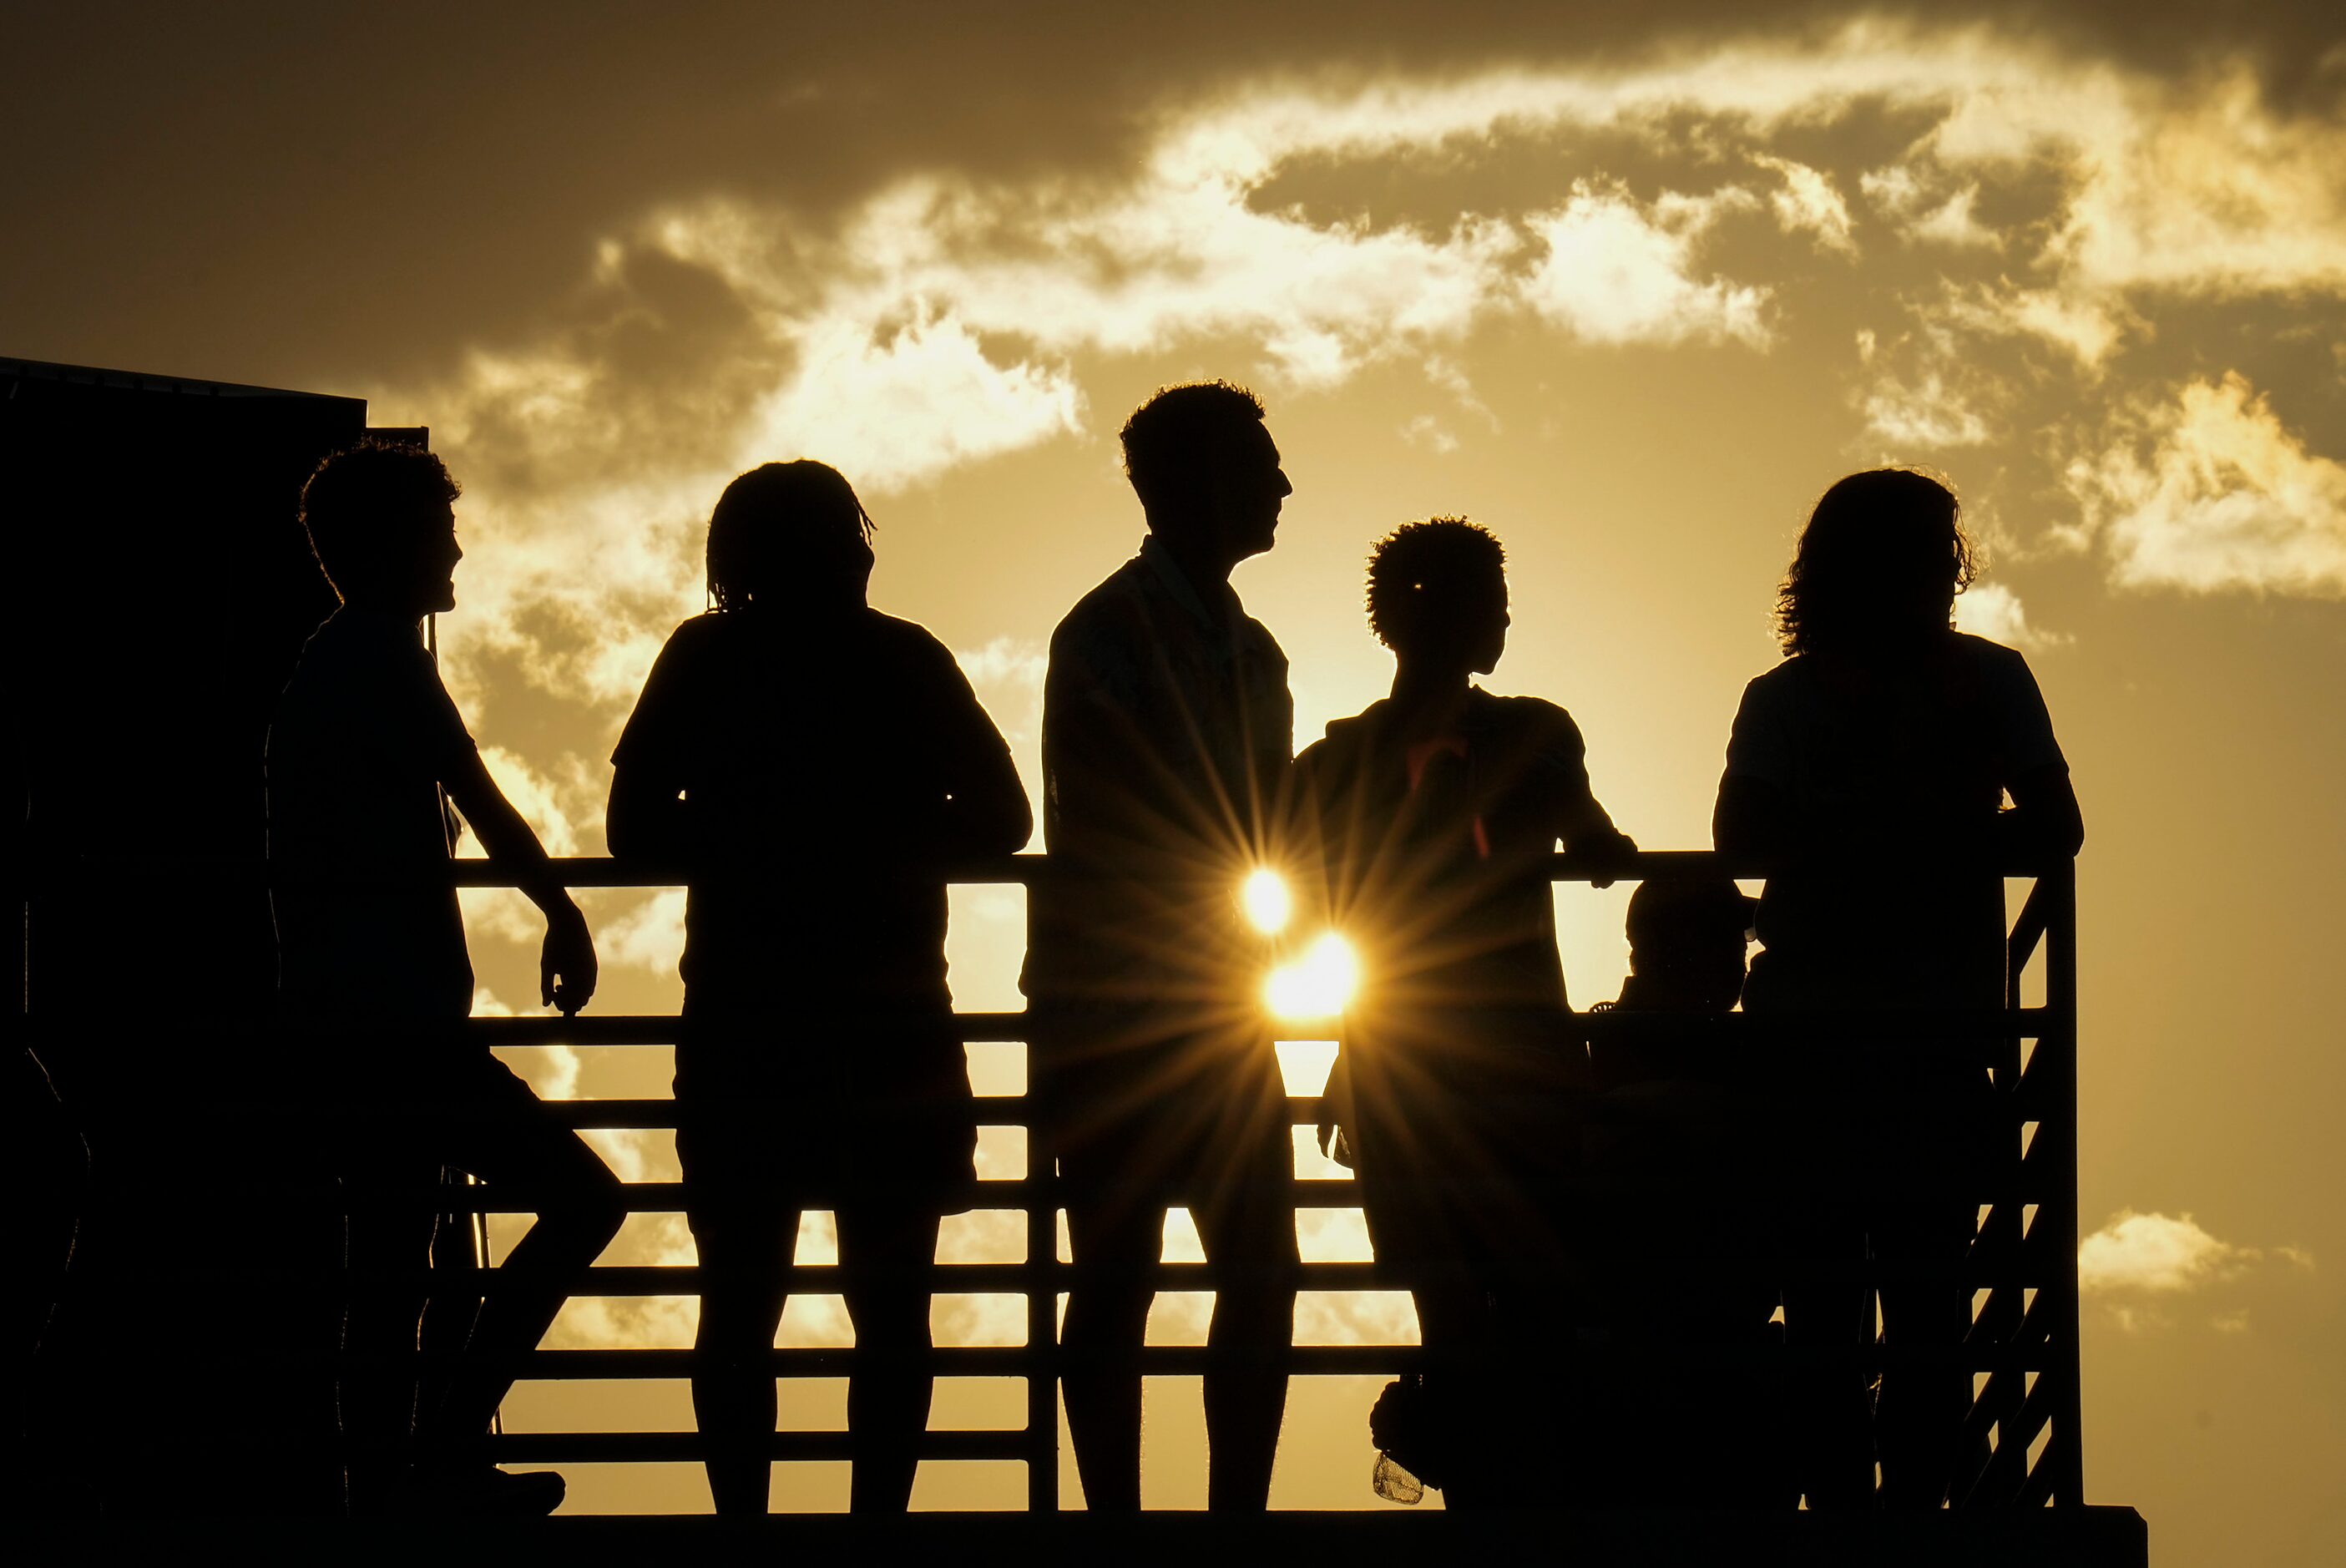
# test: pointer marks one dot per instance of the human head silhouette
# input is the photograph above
(1438, 596)
(1878, 567)
(381, 520)
(792, 538)
(1206, 470)
(1688, 942)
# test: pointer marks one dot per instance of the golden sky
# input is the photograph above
(1629, 292)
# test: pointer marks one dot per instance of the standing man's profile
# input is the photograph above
(1167, 742)
(366, 754)
(814, 765)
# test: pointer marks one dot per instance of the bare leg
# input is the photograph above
(1107, 1321)
(387, 1244)
(562, 1245)
(888, 1398)
(1251, 1233)
(1919, 1418)
(732, 1378)
(529, 1148)
(1832, 1410)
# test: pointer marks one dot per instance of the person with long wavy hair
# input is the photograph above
(1870, 769)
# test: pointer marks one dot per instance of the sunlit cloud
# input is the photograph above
(1993, 611)
(1810, 203)
(945, 319)
(648, 936)
(1927, 414)
(1617, 272)
(2163, 1255)
(2205, 489)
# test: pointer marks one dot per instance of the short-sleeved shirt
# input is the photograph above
(1168, 735)
(1893, 776)
(811, 761)
(363, 740)
(1438, 851)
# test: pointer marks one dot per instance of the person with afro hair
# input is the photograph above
(1461, 1076)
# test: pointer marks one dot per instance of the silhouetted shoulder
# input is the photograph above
(1534, 731)
(1343, 744)
(1533, 717)
(906, 640)
(1112, 610)
(2006, 691)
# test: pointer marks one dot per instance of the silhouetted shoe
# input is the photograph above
(484, 1492)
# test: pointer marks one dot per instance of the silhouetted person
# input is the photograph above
(1675, 1137)
(365, 755)
(1869, 767)
(1166, 730)
(1436, 811)
(816, 765)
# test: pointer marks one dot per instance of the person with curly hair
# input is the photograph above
(1461, 1076)
(815, 766)
(1869, 768)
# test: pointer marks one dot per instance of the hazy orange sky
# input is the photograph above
(1629, 290)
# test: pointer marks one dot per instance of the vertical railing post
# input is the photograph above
(1042, 1272)
(2066, 1454)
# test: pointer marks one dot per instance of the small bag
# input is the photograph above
(1410, 1427)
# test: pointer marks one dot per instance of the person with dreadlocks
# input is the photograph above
(1869, 768)
(1436, 811)
(815, 766)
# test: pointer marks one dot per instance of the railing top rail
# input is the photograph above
(1024, 869)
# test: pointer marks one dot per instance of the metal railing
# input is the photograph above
(2022, 1435)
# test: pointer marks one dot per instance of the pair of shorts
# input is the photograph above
(877, 1112)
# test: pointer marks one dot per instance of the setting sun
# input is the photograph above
(1266, 901)
(1318, 984)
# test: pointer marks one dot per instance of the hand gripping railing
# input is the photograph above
(2021, 1437)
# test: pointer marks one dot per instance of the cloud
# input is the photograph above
(1006, 665)
(946, 318)
(1992, 611)
(650, 936)
(891, 410)
(2156, 1254)
(2205, 490)
(1618, 272)
(534, 796)
(1952, 223)
(1930, 413)
(1428, 431)
(1810, 203)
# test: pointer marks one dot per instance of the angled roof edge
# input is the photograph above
(144, 380)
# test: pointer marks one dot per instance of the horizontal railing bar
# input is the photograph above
(1018, 1279)
(1021, 1361)
(1026, 870)
(1303, 1110)
(1019, 1193)
(1018, 1361)
(1808, 1036)
(654, 1448)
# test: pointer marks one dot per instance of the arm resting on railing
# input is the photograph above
(566, 968)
